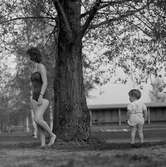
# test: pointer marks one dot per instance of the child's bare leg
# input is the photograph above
(42, 139)
(133, 133)
(140, 133)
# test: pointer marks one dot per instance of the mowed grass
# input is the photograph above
(23, 151)
(63, 155)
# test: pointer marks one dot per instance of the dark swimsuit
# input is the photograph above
(36, 85)
(37, 82)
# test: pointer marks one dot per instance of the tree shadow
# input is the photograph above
(93, 144)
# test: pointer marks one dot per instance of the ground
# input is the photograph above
(154, 156)
(24, 151)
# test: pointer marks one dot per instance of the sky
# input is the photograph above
(116, 94)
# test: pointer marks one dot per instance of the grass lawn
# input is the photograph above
(21, 150)
(91, 155)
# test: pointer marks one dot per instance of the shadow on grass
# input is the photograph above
(92, 144)
(96, 144)
(124, 146)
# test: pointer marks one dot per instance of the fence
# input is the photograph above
(116, 113)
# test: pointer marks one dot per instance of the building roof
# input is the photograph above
(123, 105)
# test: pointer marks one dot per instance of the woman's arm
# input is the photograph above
(43, 73)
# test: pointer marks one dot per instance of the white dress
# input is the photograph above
(135, 110)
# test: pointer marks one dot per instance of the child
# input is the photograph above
(137, 114)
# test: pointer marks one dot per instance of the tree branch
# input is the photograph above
(144, 22)
(50, 34)
(147, 19)
(106, 4)
(25, 18)
(112, 3)
(61, 12)
(129, 13)
(92, 13)
(137, 26)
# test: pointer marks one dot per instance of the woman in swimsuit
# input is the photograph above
(39, 101)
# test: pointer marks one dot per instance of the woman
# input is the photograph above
(38, 100)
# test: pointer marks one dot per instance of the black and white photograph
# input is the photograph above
(82, 83)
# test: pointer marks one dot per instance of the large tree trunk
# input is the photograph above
(71, 115)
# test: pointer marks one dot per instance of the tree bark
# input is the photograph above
(71, 115)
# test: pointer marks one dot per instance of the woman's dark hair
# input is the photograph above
(34, 54)
(135, 93)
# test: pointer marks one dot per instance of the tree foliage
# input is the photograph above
(104, 22)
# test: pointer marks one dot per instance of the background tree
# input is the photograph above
(5, 77)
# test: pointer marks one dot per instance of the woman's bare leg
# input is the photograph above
(33, 118)
(39, 119)
(42, 139)
(34, 125)
(39, 116)
(41, 135)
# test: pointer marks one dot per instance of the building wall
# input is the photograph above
(117, 114)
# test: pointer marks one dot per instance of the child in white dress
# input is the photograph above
(137, 114)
